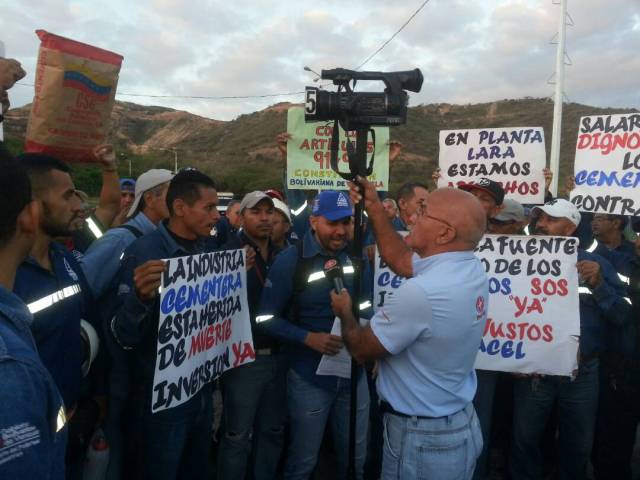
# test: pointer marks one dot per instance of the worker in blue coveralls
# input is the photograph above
(296, 309)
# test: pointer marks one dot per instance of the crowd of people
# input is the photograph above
(79, 314)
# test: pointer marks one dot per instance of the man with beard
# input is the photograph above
(602, 302)
(52, 284)
(296, 309)
(33, 436)
(255, 393)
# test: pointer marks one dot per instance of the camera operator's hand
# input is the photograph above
(282, 139)
(365, 189)
(395, 147)
(324, 343)
(147, 279)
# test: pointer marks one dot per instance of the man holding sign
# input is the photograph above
(174, 442)
(601, 302)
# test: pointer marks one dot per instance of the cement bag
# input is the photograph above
(74, 95)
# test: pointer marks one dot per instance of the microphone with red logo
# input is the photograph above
(333, 271)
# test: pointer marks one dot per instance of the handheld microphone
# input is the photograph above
(333, 271)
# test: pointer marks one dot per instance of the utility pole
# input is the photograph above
(554, 160)
(175, 157)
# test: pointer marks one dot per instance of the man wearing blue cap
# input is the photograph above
(296, 308)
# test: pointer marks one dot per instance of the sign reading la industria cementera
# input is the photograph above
(204, 326)
(607, 165)
(513, 157)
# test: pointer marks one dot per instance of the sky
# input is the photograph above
(469, 51)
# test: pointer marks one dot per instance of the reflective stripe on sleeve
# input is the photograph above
(315, 276)
(94, 228)
(365, 305)
(297, 212)
(263, 318)
(45, 302)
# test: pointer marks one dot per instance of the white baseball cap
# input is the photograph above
(282, 207)
(559, 208)
(148, 180)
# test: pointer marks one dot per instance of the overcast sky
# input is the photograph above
(468, 50)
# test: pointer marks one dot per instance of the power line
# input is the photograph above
(392, 36)
(267, 95)
(201, 97)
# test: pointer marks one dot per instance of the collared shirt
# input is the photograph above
(314, 304)
(102, 260)
(256, 278)
(135, 325)
(622, 257)
(432, 327)
(33, 433)
(58, 300)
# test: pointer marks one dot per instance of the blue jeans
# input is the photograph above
(174, 443)
(577, 406)
(310, 408)
(444, 448)
(483, 403)
(255, 410)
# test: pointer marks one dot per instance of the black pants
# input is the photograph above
(618, 418)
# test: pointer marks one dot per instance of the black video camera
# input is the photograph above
(362, 109)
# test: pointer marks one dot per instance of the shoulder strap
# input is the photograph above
(137, 233)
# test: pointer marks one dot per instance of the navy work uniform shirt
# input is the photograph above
(314, 305)
(135, 325)
(33, 434)
(622, 257)
(608, 304)
(58, 300)
(256, 278)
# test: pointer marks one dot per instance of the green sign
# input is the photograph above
(309, 155)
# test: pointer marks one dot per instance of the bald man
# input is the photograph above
(426, 336)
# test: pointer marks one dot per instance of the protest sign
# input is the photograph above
(309, 155)
(74, 94)
(386, 282)
(533, 321)
(204, 326)
(607, 165)
(513, 156)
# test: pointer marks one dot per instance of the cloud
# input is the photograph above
(468, 50)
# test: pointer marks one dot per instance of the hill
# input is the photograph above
(241, 154)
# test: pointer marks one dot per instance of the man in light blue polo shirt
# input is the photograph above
(427, 337)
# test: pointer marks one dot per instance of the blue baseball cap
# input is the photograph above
(127, 184)
(332, 205)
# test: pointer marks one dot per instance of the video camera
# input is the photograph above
(356, 110)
